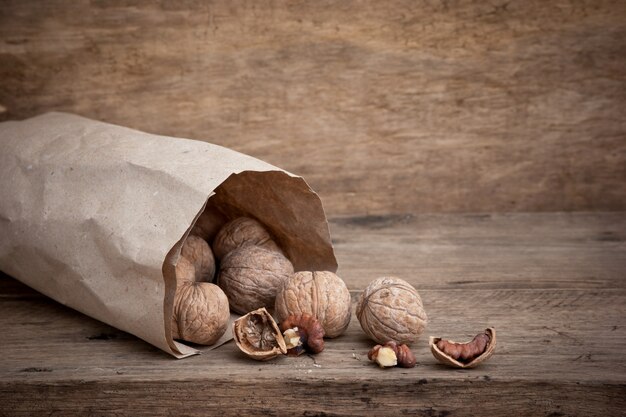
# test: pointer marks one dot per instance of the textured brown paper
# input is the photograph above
(93, 215)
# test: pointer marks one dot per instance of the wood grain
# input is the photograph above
(384, 107)
(560, 338)
(470, 251)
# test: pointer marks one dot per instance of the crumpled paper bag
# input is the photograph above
(93, 215)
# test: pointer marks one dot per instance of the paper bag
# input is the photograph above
(94, 215)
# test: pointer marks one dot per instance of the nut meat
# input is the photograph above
(465, 355)
(251, 276)
(321, 294)
(242, 231)
(302, 332)
(391, 354)
(258, 336)
(391, 309)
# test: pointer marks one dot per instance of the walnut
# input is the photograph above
(391, 354)
(302, 332)
(391, 309)
(321, 294)
(201, 311)
(251, 276)
(257, 335)
(465, 355)
(196, 251)
(209, 223)
(242, 231)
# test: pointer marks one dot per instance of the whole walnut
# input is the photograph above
(209, 222)
(251, 276)
(200, 313)
(242, 231)
(390, 309)
(196, 251)
(321, 294)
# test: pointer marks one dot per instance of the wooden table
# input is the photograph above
(551, 284)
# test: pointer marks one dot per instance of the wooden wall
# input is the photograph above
(385, 107)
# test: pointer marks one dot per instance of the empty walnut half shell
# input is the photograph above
(464, 355)
(258, 336)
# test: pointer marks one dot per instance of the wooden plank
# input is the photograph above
(385, 107)
(554, 322)
(551, 250)
(329, 397)
(546, 363)
(560, 345)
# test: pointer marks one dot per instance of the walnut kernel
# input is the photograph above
(302, 332)
(391, 354)
(465, 355)
(384, 356)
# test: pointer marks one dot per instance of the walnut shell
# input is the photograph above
(321, 294)
(209, 223)
(196, 262)
(251, 276)
(242, 231)
(200, 314)
(391, 309)
(257, 335)
(446, 359)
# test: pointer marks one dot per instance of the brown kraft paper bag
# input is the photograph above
(93, 215)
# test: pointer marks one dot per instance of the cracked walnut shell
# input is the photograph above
(391, 309)
(467, 354)
(251, 276)
(240, 232)
(320, 293)
(257, 335)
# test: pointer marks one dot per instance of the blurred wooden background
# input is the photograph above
(385, 107)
